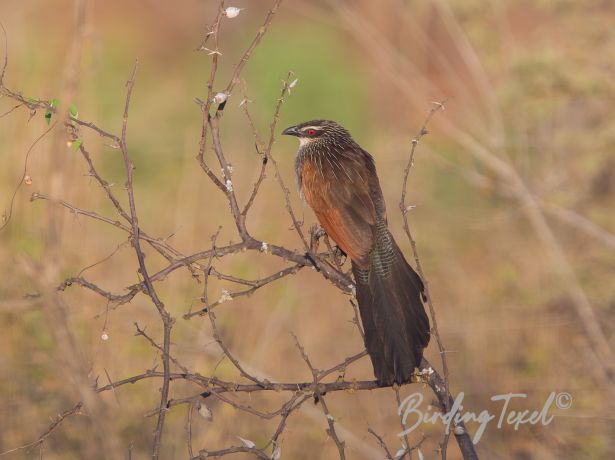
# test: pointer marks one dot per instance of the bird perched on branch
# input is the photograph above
(338, 180)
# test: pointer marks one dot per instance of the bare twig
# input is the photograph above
(401, 419)
(149, 287)
(331, 430)
(403, 206)
(6, 217)
(296, 224)
(189, 429)
(248, 53)
(387, 452)
(55, 424)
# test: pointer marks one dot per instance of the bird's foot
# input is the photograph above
(339, 254)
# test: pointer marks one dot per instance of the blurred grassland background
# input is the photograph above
(533, 82)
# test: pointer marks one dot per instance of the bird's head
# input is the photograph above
(319, 132)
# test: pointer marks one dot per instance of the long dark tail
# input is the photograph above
(390, 297)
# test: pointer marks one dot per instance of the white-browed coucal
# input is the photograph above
(338, 180)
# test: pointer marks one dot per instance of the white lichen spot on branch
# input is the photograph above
(427, 371)
(225, 296)
(204, 411)
(246, 442)
(401, 452)
(219, 98)
(232, 12)
(229, 185)
(292, 84)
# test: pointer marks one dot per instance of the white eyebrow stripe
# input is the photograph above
(317, 128)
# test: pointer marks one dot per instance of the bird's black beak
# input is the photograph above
(291, 131)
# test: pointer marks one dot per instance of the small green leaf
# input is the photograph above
(76, 144)
(53, 103)
(72, 109)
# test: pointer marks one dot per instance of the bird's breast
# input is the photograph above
(339, 196)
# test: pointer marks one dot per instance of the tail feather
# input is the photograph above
(390, 293)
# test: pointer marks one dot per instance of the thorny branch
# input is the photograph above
(149, 287)
(54, 424)
(404, 208)
(204, 262)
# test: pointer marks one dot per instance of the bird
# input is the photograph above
(338, 180)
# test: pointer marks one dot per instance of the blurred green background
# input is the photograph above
(528, 84)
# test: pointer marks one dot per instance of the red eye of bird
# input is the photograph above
(311, 132)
